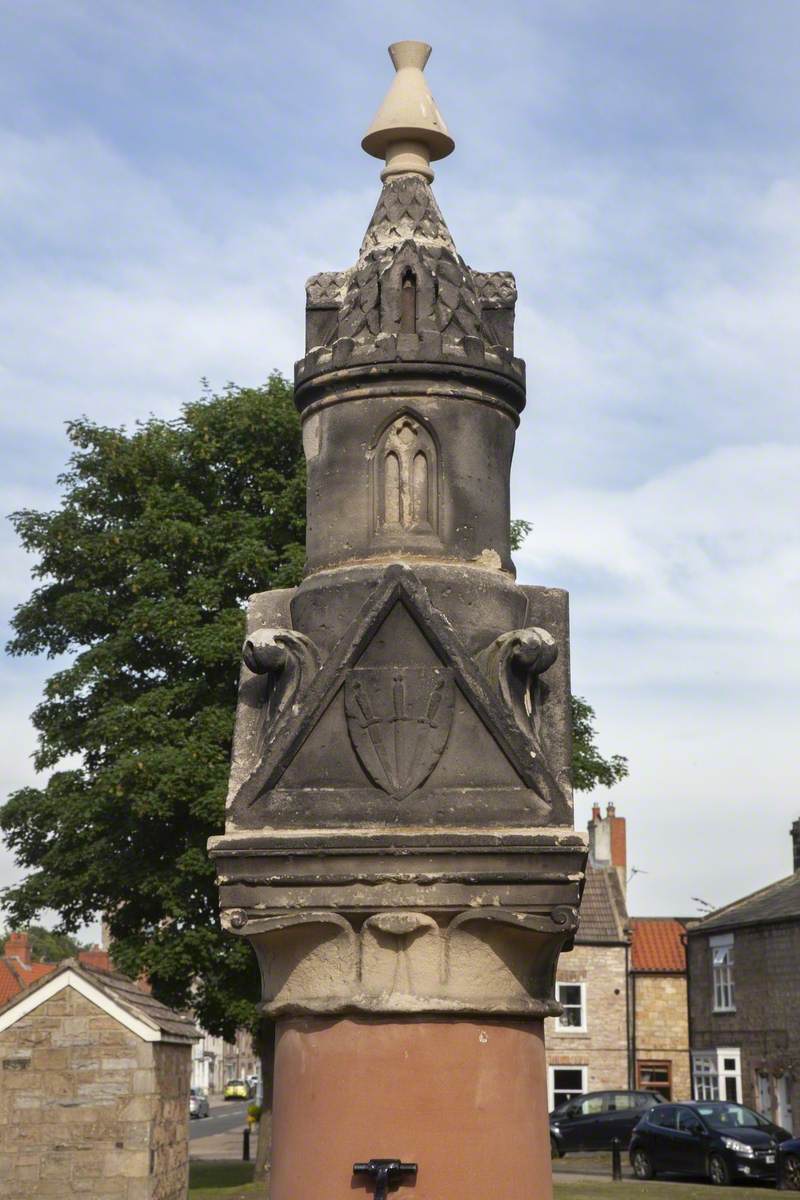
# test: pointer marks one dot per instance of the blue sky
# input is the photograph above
(172, 172)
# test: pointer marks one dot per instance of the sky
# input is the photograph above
(172, 171)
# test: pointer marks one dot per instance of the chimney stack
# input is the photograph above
(18, 946)
(608, 841)
(795, 832)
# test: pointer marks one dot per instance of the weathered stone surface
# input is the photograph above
(104, 1120)
(399, 831)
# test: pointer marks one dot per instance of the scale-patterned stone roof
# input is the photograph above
(657, 944)
(777, 902)
(604, 917)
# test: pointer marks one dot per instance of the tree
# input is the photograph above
(47, 945)
(589, 768)
(51, 946)
(143, 572)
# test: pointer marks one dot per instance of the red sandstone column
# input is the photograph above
(465, 1099)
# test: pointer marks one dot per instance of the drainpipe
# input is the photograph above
(631, 1029)
(685, 940)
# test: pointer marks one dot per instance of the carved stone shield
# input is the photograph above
(399, 721)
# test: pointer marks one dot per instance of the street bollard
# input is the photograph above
(616, 1160)
(780, 1172)
(246, 1145)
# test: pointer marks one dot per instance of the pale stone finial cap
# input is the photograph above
(408, 129)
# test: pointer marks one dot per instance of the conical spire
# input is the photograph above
(408, 130)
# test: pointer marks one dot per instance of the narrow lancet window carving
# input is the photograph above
(419, 494)
(392, 489)
(405, 467)
(408, 302)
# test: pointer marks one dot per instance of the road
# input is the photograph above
(224, 1117)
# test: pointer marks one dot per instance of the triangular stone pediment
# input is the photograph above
(398, 707)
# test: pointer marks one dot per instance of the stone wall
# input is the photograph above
(603, 1049)
(170, 1143)
(79, 1096)
(662, 1026)
(766, 1023)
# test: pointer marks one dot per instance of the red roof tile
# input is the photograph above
(15, 976)
(8, 983)
(657, 944)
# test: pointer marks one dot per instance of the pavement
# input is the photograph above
(220, 1135)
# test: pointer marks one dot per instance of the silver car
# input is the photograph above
(198, 1103)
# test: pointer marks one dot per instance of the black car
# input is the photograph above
(791, 1164)
(592, 1121)
(716, 1138)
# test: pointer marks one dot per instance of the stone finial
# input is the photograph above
(408, 130)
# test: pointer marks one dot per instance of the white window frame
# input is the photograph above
(723, 963)
(560, 1027)
(710, 1084)
(551, 1083)
(705, 1078)
(783, 1100)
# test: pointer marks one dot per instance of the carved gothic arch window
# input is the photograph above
(405, 478)
(407, 294)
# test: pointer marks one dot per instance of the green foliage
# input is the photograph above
(143, 573)
(519, 531)
(51, 946)
(589, 768)
(144, 570)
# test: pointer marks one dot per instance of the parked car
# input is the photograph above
(236, 1089)
(791, 1163)
(716, 1138)
(592, 1121)
(198, 1103)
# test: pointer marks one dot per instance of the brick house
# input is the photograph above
(94, 1087)
(659, 1025)
(17, 971)
(744, 1000)
(587, 1047)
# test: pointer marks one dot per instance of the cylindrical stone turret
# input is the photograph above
(399, 844)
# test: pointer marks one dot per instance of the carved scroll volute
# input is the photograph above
(514, 663)
(289, 659)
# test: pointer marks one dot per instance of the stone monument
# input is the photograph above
(399, 846)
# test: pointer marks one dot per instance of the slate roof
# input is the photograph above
(657, 944)
(777, 902)
(173, 1026)
(604, 917)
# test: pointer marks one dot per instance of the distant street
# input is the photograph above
(224, 1117)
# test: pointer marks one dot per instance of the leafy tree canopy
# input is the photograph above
(144, 569)
(49, 945)
(143, 572)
